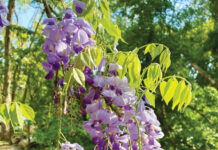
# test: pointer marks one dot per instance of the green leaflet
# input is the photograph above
(177, 94)
(27, 112)
(167, 89)
(154, 74)
(75, 74)
(188, 101)
(134, 69)
(183, 97)
(165, 60)
(68, 79)
(84, 59)
(4, 111)
(154, 50)
(111, 28)
(150, 97)
(89, 10)
(105, 9)
(79, 76)
(16, 115)
(122, 59)
(96, 55)
(150, 47)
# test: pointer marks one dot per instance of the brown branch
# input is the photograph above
(47, 9)
(205, 75)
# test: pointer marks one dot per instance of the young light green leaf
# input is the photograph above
(155, 52)
(150, 97)
(79, 76)
(122, 59)
(149, 48)
(184, 96)
(68, 79)
(27, 112)
(188, 101)
(154, 74)
(4, 111)
(165, 60)
(84, 59)
(16, 115)
(177, 94)
(134, 69)
(105, 8)
(167, 89)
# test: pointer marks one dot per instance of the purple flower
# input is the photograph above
(49, 21)
(79, 6)
(49, 75)
(68, 13)
(3, 21)
(3, 13)
(3, 9)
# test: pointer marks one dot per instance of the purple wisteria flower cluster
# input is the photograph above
(64, 39)
(111, 103)
(3, 13)
(117, 119)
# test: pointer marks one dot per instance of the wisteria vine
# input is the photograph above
(115, 122)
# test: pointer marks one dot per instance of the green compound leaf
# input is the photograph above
(150, 97)
(27, 112)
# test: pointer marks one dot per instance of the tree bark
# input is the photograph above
(205, 75)
(7, 72)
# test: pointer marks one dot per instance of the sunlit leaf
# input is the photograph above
(183, 97)
(154, 74)
(150, 97)
(177, 93)
(167, 89)
(165, 60)
(155, 51)
(79, 76)
(27, 112)
(134, 69)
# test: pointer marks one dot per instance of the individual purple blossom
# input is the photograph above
(3, 13)
(79, 6)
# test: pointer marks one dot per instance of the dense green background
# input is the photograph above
(188, 27)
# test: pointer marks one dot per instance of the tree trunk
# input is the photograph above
(7, 74)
